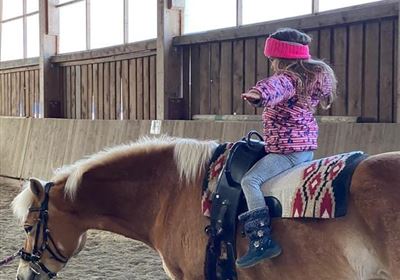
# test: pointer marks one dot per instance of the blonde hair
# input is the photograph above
(308, 73)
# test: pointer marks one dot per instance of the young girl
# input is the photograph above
(289, 98)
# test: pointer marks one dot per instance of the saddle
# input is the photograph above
(221, 247)
(321, 193)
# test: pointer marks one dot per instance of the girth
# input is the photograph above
(221, 247)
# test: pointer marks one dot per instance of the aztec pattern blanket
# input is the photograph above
(316, 189)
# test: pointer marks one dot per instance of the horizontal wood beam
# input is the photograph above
(323, 119)
(359, 13)
(19, 63)
(109, 58)
(106, 52)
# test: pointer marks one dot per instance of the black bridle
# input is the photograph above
(41, 227)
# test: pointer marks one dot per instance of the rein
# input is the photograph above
(34, 258)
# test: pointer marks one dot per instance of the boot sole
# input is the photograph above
(260, 260)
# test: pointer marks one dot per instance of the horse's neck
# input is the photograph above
(127, 203)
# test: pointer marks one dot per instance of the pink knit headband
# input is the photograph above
(283, 49)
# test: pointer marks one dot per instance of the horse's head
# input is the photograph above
(52, 233)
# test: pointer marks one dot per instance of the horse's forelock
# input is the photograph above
(191, 156)
(21, 203)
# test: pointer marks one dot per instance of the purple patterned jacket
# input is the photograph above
(288, 120)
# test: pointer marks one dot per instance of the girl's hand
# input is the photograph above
(253, 96)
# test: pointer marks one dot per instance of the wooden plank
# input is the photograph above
(186, 82)
(32, 93)
(9, 94)
(314, 45)
(355, 73)
(249, 71)
(132, 90)
(1, 94)
(90, 91)
(348, 15)
(215, 65)
(263, 65)
(19, 69)
(13, 94)
(118, 90)
(386, 65)
(371, 72)
(106, 100)
(139, 80)
(204, 77)
(109, 58)
(396, 85)
(37, 92)
(113, 96)
(22, 94)
(67, 79)
(13, 141)
(125, 89)
(153, 89)
(195, 70)
(3, 85)
(19, 63)
(78, 93)
(64, 89)
(226, 81)
(73, 92)
(106, 52)
(95, 108)
(84, 92)
(2, 91)
(339, 107)
(146, 89)
(100, 106)
(238, 82)
(325, 54)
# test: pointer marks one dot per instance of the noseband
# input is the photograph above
(41, 227)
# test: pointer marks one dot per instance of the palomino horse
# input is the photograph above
(150, 191)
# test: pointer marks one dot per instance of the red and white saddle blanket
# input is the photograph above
(316, 189)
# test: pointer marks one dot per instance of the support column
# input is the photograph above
(50, 94)
(398, 69)
(168, 58)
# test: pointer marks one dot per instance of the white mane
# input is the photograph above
(190, 156)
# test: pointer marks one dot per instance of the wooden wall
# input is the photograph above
(110, 84)
(19, 91)
(35, 147)
(360, 43)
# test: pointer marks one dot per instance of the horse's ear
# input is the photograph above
(36, 187)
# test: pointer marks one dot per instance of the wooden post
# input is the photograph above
(315, 6)
(1, 18)
(168, 57)
(126, 22)
(398, 69)
(50, 95)
(239, 12)
(88, 35)
(25, 30)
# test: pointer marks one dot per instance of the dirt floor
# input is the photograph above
(105, 256)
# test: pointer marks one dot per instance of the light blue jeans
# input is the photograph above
(266, 168)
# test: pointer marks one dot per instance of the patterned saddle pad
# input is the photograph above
(316, 189)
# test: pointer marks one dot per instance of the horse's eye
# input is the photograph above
(28, 229)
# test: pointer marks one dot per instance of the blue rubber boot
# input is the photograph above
(258, 230)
